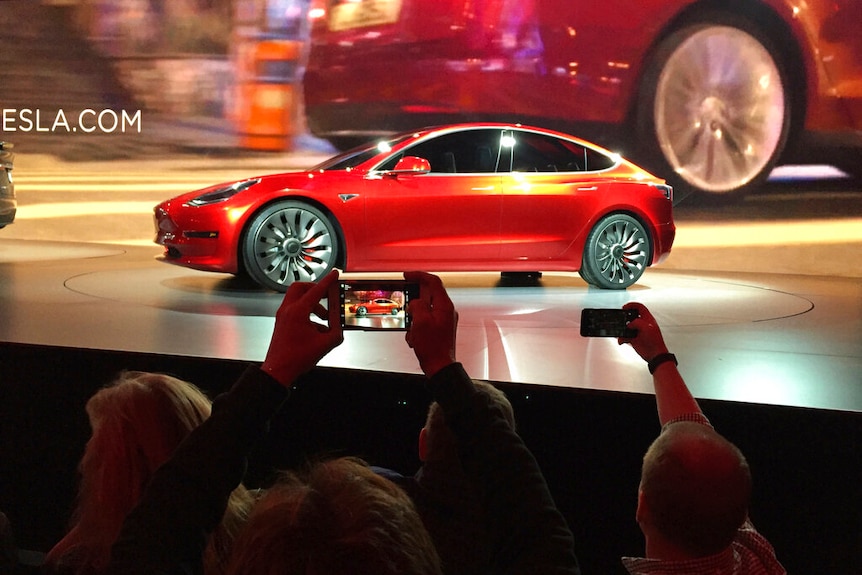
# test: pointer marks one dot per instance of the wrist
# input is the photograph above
(431, 368)
(661, 359)
(284, 375)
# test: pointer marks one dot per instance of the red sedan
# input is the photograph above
(710, 94)
(470, 197)
(375, 306)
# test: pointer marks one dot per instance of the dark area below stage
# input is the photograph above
(806, 463)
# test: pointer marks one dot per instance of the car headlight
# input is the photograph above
(223, 193)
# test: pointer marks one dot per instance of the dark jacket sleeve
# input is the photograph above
(529, 535)
(166, 533)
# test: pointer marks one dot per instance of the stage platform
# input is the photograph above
(777, 339)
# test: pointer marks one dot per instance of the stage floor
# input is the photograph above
(780, 339)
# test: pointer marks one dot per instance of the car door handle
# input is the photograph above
(482, 189)
(589, 189)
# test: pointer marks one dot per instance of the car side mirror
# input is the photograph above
(411, 165)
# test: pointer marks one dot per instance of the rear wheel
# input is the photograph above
(714, 112)
(616, 253)
(289, 241)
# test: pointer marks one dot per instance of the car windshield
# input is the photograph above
(356, 156)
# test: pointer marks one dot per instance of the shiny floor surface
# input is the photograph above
(790, 340)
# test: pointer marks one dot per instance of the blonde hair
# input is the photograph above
(336, 518)
(137, 422)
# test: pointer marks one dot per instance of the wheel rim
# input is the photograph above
(620, 252)
(719, 109)
(293, 244)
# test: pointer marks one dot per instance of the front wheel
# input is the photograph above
(289, 241)
(616, 253)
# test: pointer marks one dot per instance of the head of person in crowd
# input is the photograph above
(337, 517)
(436, 440)
(694, 491)
(137, 421)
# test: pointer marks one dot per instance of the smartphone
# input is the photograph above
(376, 304)
(601, 322)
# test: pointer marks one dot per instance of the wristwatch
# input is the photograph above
(653, 364)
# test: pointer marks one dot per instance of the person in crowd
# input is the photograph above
(165, 533)
(448, 502)
(695, 485)
(339, 517)
(137, 421)
(8, 548)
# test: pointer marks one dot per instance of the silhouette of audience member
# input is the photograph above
(8, 548)
(695, 485)
(15, 561)
(525, 531)
(187, 495)
(449, 503)
(337, 517)
(137, 421)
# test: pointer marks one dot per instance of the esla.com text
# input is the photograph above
(87, 121)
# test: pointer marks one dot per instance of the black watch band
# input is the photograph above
(653, 364)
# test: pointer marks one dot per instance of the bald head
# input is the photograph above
(696, 487)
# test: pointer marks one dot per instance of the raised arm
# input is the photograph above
(186, 499)
(528, 534)
(672, 396)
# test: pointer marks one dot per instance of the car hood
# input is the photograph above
(269, 183)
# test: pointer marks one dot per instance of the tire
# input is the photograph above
(289, 241)
(361, 311)
(616, 253)
(714, 109)
(394, 311)
(585, 275)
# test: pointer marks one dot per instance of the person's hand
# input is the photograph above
(648, 341)
(434, 323)
(298, 342)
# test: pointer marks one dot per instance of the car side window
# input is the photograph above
(533, 152)
(462, 152)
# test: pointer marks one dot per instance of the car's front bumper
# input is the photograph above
(202, 247)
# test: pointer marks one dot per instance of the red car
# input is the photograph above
(375, 306)
(471, 197)
(710, 94)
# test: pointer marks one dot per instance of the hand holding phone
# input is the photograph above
(602, 322)
(374, 305)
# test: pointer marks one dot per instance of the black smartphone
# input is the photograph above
(601, 322)
(376, 304)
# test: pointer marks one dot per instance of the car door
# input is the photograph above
(448, 218)
(549, 195)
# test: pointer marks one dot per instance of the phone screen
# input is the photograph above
(600, 322)
(376, 304)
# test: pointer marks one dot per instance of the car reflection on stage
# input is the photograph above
(391, 321)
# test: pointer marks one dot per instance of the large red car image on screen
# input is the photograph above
(711, 95)
(472, 197)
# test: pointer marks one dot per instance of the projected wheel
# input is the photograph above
(713, 110)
